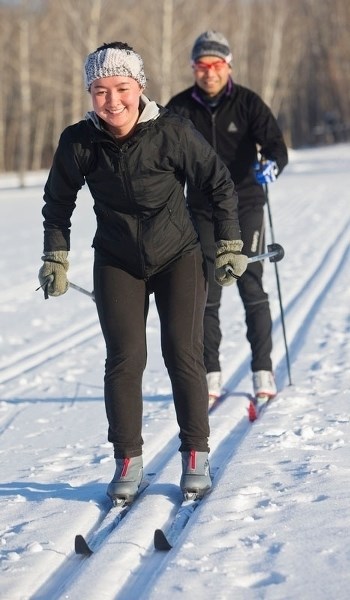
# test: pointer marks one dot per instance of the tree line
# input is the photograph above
(294, 53)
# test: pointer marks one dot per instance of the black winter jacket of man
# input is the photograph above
(239, 124)
(143, 222)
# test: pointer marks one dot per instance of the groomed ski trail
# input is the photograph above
(137, 566)
(58, 573)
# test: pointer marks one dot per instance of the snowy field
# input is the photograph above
(276, 525)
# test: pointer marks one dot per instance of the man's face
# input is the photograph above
(211, 74)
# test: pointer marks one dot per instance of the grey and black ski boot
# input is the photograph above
(126, 481)
(195, 479)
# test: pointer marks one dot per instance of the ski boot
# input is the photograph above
(264, 384)
(195, 479)
(126, 481)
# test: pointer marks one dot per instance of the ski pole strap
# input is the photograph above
(45, 286)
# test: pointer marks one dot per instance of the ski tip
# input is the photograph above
(81, 546)
(160, 541)
(257, 405)
(252, 411)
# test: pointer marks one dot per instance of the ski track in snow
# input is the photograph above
(55, 384)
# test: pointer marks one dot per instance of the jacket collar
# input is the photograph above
(149, 112)
(198, 95)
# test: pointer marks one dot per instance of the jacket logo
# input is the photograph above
(232, 127)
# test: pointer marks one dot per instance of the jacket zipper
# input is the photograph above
(213, 130)
(126, 179)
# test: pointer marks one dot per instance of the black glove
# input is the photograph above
(53, 273)
(230, 264)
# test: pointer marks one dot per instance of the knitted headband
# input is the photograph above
(108, 62)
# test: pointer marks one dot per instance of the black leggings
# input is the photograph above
(122, 302)
(250, 288)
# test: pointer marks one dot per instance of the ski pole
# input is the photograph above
(49, 280)
(278, 285)
(82, 290)
(275, 254)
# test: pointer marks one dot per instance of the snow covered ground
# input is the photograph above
(276, 525)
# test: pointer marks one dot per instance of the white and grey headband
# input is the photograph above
(109, 62)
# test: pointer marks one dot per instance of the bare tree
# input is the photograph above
(25, 92)
(4, 86)
(166, 52)
(294, 53)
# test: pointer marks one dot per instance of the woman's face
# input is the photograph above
(116, 101)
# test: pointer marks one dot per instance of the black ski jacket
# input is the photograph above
(240, 122)
(143, 221)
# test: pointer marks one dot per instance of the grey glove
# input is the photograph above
(53, 273)
(230, 264)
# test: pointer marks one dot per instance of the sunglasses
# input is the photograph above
(202, 67)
